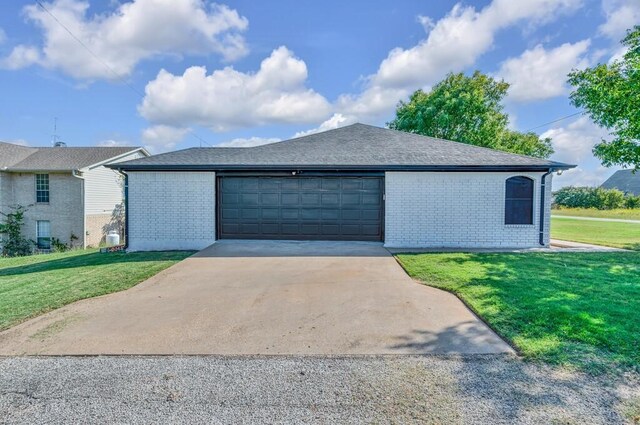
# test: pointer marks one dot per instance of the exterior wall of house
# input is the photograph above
(64, 209)
(104, 200)
(457, 210)
(171, 210)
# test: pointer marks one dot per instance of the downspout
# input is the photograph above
(78, 174)
(126, 210)
(543, 185)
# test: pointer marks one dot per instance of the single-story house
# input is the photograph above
(624, 180)
(69, 193)
(358, 182)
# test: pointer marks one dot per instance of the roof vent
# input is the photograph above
(59, 144)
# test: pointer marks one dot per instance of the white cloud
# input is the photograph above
(620, 15)
(20, 57)
(336, 120)
(249, 142)
(133, 32)
(574, 142)
(539, 73)
(162, 138)
(113, 143)
(582, 176)
(452, 44)
(227, 99)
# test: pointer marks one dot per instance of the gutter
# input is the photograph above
(543, 185)
(298, 167)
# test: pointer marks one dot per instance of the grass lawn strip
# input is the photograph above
(624, 214)
(614, 234)
(30, 286)
(573, 309)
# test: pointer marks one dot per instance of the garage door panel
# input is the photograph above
(370, 199)
(290, 229)
(309, 229)
(250, 213)
(335, 208)
(270, 213)
(270, 228)
(330, 199)
(249, 199)
(249, 228)
(372, 184)
(230, 198)
(310, 199)
(230, 213)
(290, 213)
(373, 215)
(350, 199)
(269, 199)
(290, 199)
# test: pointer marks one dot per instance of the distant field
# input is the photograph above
(624, 214)
(608, 233)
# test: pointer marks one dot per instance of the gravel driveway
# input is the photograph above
(496, 389)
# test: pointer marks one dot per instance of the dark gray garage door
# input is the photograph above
(321, 208)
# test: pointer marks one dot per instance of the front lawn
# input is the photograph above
(622, 213)
(608, 233)
(576, 309)
(30, 286)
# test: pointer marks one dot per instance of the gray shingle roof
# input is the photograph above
(19, 158)
(624, 180)
(357, 146)
(12, 154)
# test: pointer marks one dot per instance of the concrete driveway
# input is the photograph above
(257, 297)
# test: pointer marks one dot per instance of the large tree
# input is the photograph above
(469, 110)
(610, 94)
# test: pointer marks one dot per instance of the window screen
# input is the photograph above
(44, 234)
(519, 201)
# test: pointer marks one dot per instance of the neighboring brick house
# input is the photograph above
(353, 183)
(68, 192)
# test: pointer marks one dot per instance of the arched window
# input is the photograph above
(518, 205)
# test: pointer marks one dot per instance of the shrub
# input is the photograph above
(631, 201)
(15, 245)
(594, 197)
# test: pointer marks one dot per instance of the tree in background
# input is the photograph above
(610, 94)
(468, 110)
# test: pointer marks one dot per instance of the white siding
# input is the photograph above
(171, 210)
(104, 188)
(457, 210)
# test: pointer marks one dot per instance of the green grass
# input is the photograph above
(30, 286)
(615, 234)
(624, 214)
(580, 310)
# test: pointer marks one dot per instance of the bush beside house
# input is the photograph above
(594, 197)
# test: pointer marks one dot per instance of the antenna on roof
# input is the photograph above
(55, 139)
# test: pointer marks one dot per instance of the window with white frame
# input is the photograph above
(43, 228)
(42, 188)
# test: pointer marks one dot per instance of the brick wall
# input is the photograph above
(64, 209)
(171, 210)
(457, 210)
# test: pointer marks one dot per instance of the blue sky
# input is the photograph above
(156, 72)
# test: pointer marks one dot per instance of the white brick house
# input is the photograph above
(68, 192)
(354, 183)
